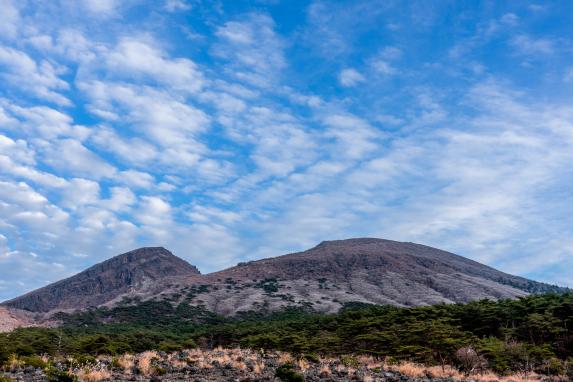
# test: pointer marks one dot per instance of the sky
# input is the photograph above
(236, 130)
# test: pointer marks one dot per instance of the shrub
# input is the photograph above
(469, 361)
(84, 359)
(34, 361)
(55, 375)
(189, 344)
(569, 368)
(4, 379)
(350, 361)
(168, 346)
(312, 357)
(286, 373)
(551, 366)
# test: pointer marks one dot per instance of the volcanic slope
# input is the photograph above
(324, 279)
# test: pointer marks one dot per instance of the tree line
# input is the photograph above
(533, 333)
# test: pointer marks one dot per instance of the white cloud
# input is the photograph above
(202, 214)
(10, 19)
(8, 166)
(130, 150)
(41, 79)
(390, 53)
(254, 51)
(17, 150)
(80, 192)
(350, 77)
(510, 19)
(121, 198)
(530, 46)
(68, 45)
(134, 58)
(21, 194)
(568, 76)
(154, 211)
(72, 157)
(383, 67)
(354, 137)
(136, 179)
(101, 7)
(165, 120)
(196, 240)
(388, 119)
(24, 209)
(177, 5)
(42, 121)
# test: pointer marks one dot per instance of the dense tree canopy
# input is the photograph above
(534, 332)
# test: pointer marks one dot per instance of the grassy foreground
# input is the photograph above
(242, 365)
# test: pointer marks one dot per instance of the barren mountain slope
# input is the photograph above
(356, 270)
(323, 278)
(11, 319)
(333, 273)
(106, 281)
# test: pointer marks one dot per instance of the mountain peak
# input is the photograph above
(354, 242)
(103, 282)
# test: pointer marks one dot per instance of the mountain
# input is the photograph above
(324, 279)
(106, 281)
(364, 270)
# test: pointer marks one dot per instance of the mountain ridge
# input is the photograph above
(323, 278)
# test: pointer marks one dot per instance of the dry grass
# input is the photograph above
(408, 368)
(370, 362)
(174, 361)
(303, 365)
(144, 362)
(351, 371)
(238, 364)
(126, 362)
(325, 371)
(202, 364)
(491, 377)
(284, 357)
(14, 363)
(362, 367)
(258, 367)
(420, 371)
(89, 374)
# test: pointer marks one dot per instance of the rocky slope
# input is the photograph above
(323, 278)
(11, 319)
(106, 281)
(366, 270)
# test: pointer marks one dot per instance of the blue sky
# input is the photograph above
(237, 130)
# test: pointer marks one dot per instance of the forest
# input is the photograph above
(533, 333)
